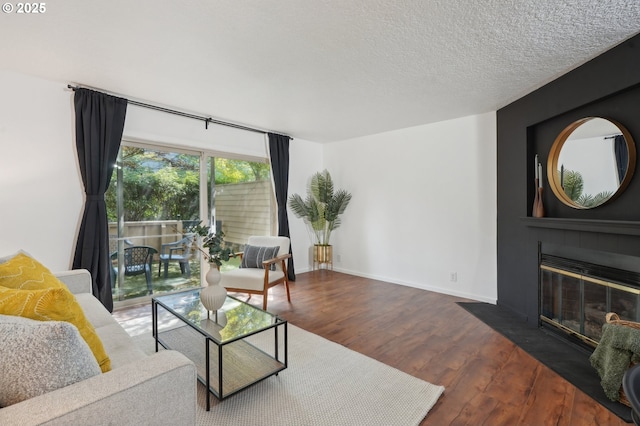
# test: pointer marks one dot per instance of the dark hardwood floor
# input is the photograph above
(488, 380)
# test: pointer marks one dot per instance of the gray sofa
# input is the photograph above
(159, 389)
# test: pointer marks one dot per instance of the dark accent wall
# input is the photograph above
(607, 86)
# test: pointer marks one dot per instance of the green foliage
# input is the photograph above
(322, 207)
(574, 186)
(589, 201)
(212, 244)
(236, 171)
(162, 185)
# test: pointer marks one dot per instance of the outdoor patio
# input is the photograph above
(136, 286)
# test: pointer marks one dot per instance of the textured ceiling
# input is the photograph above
(321, 70)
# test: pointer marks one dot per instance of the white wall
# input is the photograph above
(424, 198)
(151, 126)
(40, 186)
(306, 158)
(423, 207)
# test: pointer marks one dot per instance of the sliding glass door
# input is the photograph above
(242, 201)
(157, 194)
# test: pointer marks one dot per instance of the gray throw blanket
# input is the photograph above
(618, 347)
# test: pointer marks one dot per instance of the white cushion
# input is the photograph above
(37, 357)
(94, 311)
(248, 278)
(116, 341)
(118, 344)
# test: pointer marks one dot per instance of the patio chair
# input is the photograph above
(113, 243)
(137, 261)
(260, 270)
(178, 251)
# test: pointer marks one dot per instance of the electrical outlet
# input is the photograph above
(454, 276)
(338, 258)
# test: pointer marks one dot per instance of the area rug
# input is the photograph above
(324, 384)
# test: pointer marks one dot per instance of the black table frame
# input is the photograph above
(279, 322)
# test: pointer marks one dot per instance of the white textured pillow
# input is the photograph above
(37, 357)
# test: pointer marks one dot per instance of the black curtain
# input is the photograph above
(99, 126)
(279, 152)
(622, 156)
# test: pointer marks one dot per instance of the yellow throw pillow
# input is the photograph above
(26, 273)
(54, 304)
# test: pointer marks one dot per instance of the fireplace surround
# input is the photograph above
(606, 86)
(575, 296)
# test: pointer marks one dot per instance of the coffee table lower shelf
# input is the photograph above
(242, 363)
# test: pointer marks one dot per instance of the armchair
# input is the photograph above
(266, 274)
(178, 251)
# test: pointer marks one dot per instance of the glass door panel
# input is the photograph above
(151, 202)
(242, 201)
(156, 196)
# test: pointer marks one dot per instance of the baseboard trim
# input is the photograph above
(422, 286)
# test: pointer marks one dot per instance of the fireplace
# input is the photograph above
(575, 296)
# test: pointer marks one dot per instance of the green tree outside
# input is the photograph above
(162, 185)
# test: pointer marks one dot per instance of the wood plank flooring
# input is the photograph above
(488, 380)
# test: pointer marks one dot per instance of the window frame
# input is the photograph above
(204, 196)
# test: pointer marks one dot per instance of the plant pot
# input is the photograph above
(322, 254)
(213, 276)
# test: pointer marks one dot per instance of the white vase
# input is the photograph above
(213, 276)
(213, 295)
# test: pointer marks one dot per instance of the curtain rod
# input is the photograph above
(207, 120)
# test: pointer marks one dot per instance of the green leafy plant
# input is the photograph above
(212, 244)
(574, 186)
(588, 200)
(322, 207)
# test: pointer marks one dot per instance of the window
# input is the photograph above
(157, 194)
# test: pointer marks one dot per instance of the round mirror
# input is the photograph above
(591, 162)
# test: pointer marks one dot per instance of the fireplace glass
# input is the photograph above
(578, 303)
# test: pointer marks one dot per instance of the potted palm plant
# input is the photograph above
(321, 210)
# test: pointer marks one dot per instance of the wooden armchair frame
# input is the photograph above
(281, 261)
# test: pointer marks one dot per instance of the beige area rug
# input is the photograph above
(324, 384)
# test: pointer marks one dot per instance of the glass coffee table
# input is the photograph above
(232, 348)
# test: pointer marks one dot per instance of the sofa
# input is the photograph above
(158, 389)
